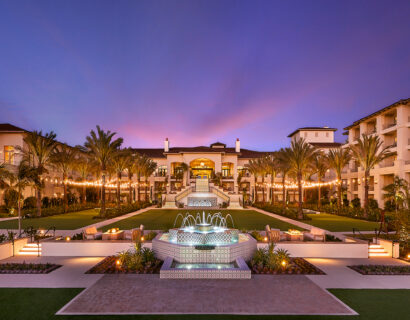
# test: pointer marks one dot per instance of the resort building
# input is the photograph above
(392, 125)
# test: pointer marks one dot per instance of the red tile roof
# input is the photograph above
(7, 127)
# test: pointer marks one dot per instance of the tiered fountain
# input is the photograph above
(204, 247)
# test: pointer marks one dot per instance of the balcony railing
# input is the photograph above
(355, 187)
(387, 164)
(227, 177)
(386, 126)
(393, 145)
(371, 187)
(371, 132)
(354, 169)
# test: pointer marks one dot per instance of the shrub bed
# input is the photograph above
(289, 212)
(124, 209)
(375, 269)
(45, 212)
(139, 260)
(13, 268)
(271, 261)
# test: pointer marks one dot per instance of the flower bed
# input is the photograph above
(110, 265)
(295, 266)
(13, 268)
(376, 269)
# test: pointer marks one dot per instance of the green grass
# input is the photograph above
(66, 221)
(42, 304)
(163, 219)
(336, 223)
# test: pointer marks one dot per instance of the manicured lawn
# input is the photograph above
(163, 219)
(41, 304)
(67, 221)
(336, 223)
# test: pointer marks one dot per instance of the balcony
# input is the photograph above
(354, 169)
(227, 177)
(371, 187)
(370, 132)
(387, 164)
(355, 187)
(389, 125)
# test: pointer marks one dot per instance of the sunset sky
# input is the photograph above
(200, 71)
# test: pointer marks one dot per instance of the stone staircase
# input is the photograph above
(30, 249)
(202, 185)
(376, 250)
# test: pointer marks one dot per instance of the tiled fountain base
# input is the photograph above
(238, 270)
(148, 294)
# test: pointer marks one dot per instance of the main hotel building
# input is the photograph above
(391, 124)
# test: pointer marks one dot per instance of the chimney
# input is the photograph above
(237, 145)
(166, 145)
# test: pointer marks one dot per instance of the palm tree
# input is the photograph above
(282, 157)
(271, 165)
(102, 146)
(300, 157)
(369, 152)
(185, 169)
(63, 159)
(24, 176)
(262, 171)
(254, 169)
(131, 169)
(119, 164)
(338, 159)
(38, 155)
(84, 167)
(149, 169)
(140, 163)
(396, 191)
(319, 167)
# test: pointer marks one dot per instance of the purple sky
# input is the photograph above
(200, 71)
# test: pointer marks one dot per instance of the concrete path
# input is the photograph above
(9, 218)
(101, 224)
(338, 275)
(148, 294)
(70, 275)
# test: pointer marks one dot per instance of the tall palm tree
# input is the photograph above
(37, 154)
(140, 163)
(63, 159)
(319, 167)
(131, 169)
(149, 169)
(119, 164)
(262, 171)
(300, 157)
(102, 146)
(369, 152)
(338, 159)
(396, 191)
(271, 165)
(21, 178)
(254, 169)
(282, 157)
(84, 167)
(185, 171)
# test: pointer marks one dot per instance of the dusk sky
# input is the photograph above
(200, 71)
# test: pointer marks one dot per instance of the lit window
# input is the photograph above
(9, 154)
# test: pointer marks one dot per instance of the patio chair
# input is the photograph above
(92, 234)
(315, 234)
(273, 235)
(134, 234)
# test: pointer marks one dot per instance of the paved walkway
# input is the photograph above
(148, 294)
(101, 224)
(338, 275)
(9, 218)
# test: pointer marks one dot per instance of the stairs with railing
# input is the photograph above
(31, 249)
(201, 185)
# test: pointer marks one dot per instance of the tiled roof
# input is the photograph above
(311, 129)
(325, 144)
(7, 127)
(400, 102)
(159, 152)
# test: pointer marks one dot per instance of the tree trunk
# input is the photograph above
(339, 196)
(130, 192)
(263, 189)
(284, 193)
(366, 195)
(19, 212)
(38, 202)
(139, 183)
(319, 194)
(84, 199)
(103, 196)
(146, 190)
(65, 198)
(300, 209)
(118, 190)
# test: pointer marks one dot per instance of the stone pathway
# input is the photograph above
(148, 294)
(9, 218)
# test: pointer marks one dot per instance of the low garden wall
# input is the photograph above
(358, 249)
(86, 248)
(393, 248)
(6, 248)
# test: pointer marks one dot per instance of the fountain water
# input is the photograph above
(204, 247)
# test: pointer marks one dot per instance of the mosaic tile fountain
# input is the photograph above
(204, 247)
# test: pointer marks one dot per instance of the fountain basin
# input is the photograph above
(235, 270)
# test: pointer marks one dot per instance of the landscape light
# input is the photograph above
(67, 238)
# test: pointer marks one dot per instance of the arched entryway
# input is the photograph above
(202, 168)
